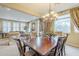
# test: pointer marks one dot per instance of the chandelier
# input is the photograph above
(51, 14)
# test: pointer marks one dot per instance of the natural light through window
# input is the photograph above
(6, 26)
(62, 24)
(22, 25)
(13, 26)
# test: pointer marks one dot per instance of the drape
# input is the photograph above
(74, 13)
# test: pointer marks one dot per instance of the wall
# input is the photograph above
(73, 38)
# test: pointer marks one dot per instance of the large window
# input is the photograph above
(6, 26)
(13, 26)
(22, 25)
(16, 26)
(62, 24)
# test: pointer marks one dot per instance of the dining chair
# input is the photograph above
(63, 45)
(57, 48)
(22, 49)
(53, 50)
(60, 49)
(19, 45)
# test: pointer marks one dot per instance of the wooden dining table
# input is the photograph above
(41, 45)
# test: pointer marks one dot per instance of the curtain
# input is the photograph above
(74, 13)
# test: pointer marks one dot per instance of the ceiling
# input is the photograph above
(43, 8)
(30, 11)
(10, 14)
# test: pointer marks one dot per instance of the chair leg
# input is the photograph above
(21, 52)
(55, 51)
(61, 52)
(64, 53)
(24, 50)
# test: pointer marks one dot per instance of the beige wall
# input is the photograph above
(73, 38)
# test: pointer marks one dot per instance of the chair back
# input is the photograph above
(64, 41)
(60, 44)
(20, 47)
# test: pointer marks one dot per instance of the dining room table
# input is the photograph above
(42, 45)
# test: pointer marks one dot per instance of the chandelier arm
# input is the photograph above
(49, 9)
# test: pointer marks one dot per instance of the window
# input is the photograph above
(16, 26)
(22, 25)
(13, 26)
(62, 24)
(6, 26)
